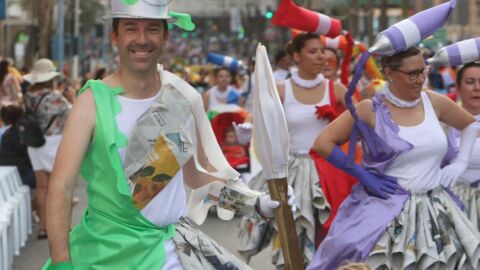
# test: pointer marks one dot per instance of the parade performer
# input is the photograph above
(467, 186)
(141, 140)
(400, 216)
(332, 64)
(222, 92)
(310, 102)
(419, 226)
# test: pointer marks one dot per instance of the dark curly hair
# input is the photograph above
(298, 42)
(462, 70)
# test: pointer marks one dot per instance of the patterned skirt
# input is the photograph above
(470, 196)
(197, 250)
(431, 232)
(311, 206)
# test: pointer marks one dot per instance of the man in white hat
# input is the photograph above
(143, 144)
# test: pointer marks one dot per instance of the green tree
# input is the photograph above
(92, 10)
(42, 11)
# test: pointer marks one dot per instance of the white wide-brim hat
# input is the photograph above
(43, 71)
(141, 9)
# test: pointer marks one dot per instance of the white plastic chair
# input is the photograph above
(22, 193)
(14, 202)
(6, 251)
(7, 232)
(25, 190)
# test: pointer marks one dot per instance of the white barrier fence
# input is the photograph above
(15, 215)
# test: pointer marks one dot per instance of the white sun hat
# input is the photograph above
(43, 71)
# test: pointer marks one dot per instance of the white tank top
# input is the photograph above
(472, 173)
(172, 198)
(216, 96)
(303, 124)
(418, 170)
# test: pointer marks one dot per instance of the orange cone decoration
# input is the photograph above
(292, 16)
(295, 32)
(338, 43)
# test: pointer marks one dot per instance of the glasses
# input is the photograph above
(332, 62)
(413, 75)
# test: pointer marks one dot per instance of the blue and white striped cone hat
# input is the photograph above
(457, 54)
(224, 61)
(412, 30)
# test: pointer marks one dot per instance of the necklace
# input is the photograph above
(307, 83)
(399, 102)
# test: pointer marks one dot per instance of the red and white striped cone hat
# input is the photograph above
(292, 16)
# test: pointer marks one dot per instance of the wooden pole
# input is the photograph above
(286, 225)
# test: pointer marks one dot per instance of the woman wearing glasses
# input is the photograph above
(400, 217)
(467, 186)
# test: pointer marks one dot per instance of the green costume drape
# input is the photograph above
(112, 234)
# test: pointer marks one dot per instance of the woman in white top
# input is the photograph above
(222, 92)
(310, 102)
(400, 216)
(467, 187)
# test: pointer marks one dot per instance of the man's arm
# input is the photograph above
(76, 139)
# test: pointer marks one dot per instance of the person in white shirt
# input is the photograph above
(467, 186)
(400, 216)
(222, 92)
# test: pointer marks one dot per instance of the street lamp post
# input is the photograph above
(3, 17)
(60, 35)
(76, 32)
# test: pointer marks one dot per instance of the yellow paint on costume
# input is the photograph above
(154, 177)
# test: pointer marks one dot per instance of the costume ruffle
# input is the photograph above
(311, 204)
(197, 250)
(431, 232)
(470, 196)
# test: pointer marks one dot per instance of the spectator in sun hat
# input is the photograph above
(50, 110)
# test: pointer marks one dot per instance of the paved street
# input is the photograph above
(34, 254)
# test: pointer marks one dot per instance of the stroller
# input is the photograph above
(237, 155)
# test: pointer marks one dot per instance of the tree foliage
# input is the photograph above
(91, 10)
(42, 12)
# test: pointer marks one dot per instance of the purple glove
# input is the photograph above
(379, 186)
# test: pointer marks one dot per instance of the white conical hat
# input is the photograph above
(142, 9)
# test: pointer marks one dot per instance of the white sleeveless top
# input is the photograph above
(472, 173)
(172, 197)
(303, 124)
(216, 94)
(418, 170)
(169, 205)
